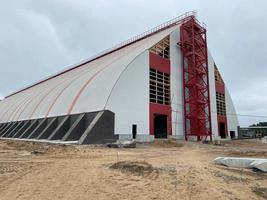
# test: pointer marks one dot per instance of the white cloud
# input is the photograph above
(1, 96)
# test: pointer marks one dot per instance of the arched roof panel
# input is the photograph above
(83, 89)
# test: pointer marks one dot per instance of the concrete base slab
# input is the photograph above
(42, 141)
(176, 137)
(139, 137)
(250, 163)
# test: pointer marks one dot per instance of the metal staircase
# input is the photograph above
(193, 42)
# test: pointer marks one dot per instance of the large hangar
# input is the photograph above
(163, 83)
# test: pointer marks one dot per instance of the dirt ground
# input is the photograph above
(163, 170)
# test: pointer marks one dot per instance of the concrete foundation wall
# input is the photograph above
(85, 128)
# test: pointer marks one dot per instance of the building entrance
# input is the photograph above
(160, 126)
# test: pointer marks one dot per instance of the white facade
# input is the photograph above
(131, 104)
(176, 86)
(232, 120)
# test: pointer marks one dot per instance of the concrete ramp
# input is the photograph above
(250, 163)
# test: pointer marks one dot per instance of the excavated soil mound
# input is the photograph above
(138, 168)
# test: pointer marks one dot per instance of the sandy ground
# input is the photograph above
(33, 171)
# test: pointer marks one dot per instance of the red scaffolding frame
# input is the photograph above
(197, 117)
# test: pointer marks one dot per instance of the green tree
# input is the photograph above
(259, 124)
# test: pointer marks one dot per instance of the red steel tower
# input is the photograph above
(197, 119)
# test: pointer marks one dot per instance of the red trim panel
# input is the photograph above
(159, 63)
(163, 65)
(159, 109)
(219, 87)
(222, 119)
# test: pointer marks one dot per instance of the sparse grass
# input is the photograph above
(138, 168)
(168, 143)
(244, 153)
(260, 191)
(230, 178)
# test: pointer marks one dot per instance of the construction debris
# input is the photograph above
(37, 152)
(261, 191)
(217, 142)
(250, 163)
(123, 144)
(264, 140)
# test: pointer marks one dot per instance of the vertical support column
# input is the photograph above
(13, 132)
(220, 103)
(27, 132)
(197, 117)
(10, 127)
(22, 129)
(3, 128)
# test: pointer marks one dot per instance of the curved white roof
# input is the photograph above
(82, 89)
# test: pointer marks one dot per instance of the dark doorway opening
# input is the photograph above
(134, 131)
(160, 126)
(232, 134)
(222, 130)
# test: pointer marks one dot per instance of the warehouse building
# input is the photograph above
(163, 83)
(252, 132)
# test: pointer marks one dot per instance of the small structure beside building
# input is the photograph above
(252, 132)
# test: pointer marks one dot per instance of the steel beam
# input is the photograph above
(76, 130)
(4, 128)
(36, 131)
(22, 129)
(13, 132)
(28, 131)
(48, 129)
(61, 129)
(7, 130)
